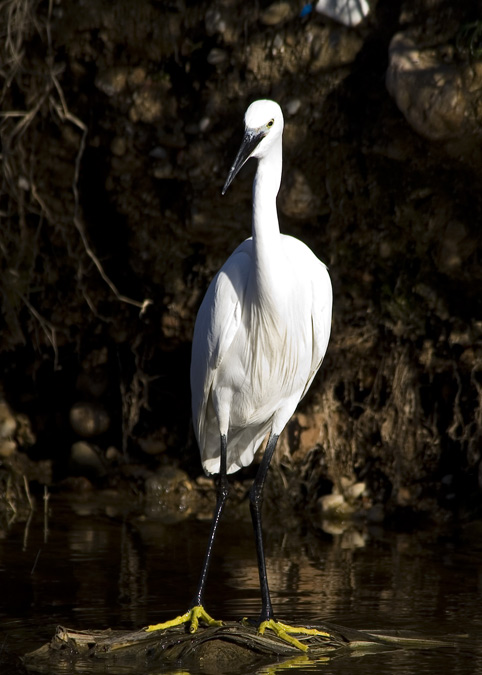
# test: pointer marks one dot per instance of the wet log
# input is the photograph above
(231, 648)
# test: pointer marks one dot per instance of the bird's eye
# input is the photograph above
(270, 123)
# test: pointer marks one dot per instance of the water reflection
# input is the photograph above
(104, 565)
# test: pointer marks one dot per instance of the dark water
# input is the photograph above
(99, 566)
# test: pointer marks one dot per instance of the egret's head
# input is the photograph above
(263, 125)
(264, 121)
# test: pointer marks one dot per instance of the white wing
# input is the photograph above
(216, 325)
(320, 319)
(320, 288)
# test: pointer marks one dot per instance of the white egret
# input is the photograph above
(260, 336)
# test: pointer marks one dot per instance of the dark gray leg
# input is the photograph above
(256, 500)
(223, 491)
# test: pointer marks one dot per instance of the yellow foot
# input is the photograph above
(283, 631)
(194, 615)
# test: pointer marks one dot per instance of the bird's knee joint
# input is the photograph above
(255, 497)
(223, 489)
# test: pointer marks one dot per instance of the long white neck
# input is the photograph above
(266, 234)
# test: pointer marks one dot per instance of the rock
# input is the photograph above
(147, 106)
(155, 444)
(7, 448)
(297, 199)
(112, 81)
(353, 492)
(89, 419)
(136, 76)
(112, 454)
(293, 106)
(275, 13)
(118, 146)
(170, 495)
(217, 56)
(163, 171)
(214, 22)
(335, 527)
(440, 99)
(326, 52)
(334, 506)
(352, 539)
(204, 124)
(23, 183)
(8, 423)
(159, 153)
(348, 12)
(24, 435)
(84, 458)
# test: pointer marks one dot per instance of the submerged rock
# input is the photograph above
(170, 495)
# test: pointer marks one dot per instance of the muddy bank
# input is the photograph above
(119, 123)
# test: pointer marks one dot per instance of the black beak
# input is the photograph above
(250, 141)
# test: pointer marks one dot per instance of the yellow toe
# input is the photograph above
(283, 630)
(194, 616)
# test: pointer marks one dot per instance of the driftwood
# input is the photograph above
(231, 648)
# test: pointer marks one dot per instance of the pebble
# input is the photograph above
(204, 124)
(275, 13)
(112, 81)
(147, 106)
(217, 56)
(293, 106)
(23, 183)
(163, 172)
(136, 77)
(158, 153)
(214, 22)
(118, 146)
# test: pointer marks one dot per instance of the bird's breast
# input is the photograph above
(268, 362)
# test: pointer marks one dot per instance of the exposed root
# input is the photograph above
(395, 427)
(26, 203)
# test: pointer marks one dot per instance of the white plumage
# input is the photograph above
(260, 336)
(263, 327)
